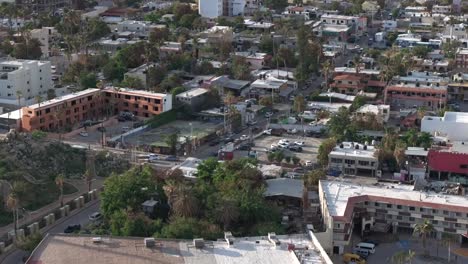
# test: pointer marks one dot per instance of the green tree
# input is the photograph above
(312, 178)
(132, 82)
(88, 80)
(266, 101)
(357, 103)
(114, 71)
(190, 228)
(423, 230)
(277, 5)
(155, 75)
(127, 190)
(266, 44)
(299, 104)
(240, 68)
(339, 123)
(28, 48)
(171, 141)
(324, 150)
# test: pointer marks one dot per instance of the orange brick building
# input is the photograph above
(92, 104)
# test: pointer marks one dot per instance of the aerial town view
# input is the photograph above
(234, 131)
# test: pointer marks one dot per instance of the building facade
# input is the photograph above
(388, 208)
(27, 78)
(415, 95)
(193, 98)
(210, 8)
(92, 104)
(45, 35)
(351, 158)
(461, 58)
(453, 126)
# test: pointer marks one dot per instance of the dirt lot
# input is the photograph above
(309, 152)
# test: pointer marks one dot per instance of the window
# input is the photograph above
(376, 204)
(434, 211)
(125, 104)
(157, 101)
(350, 162)
(335, 160)
(127, 97)
(458, 214)
(399, 217)
(363, 163)
(411, 219)
(464, 166)
(399, 206)
(421, 209)
(155, 108)
(145, 107)
(411, 208)
(435, 222)
(446, 212)
(366, 203)
(47, 110)
(389, 206)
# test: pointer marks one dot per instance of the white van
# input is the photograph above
(366, 246)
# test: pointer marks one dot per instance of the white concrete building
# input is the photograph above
(352, 158)
(45, 36)
(442, 9)
(30, 77)
(453, 126)
(382, 112)
(236, 7)
(210, 8)
(139, 28)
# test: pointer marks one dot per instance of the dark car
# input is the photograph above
(72, 228)
(295, 148)
(228, 140)
(371, 241)
(244, 147)
(172, 158)
(214, 142)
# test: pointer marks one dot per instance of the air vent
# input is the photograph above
(150, 242)
(199, 243)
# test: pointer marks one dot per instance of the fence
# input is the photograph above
(46, 219)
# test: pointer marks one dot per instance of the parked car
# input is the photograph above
(283, 145)
(299, 170)
(214, 142)
(125, 129)
(283, 141)
(274, 147)
(295, 148)
(353, 258)
(84, 134)
(244, 147)
(266, 132)
(171, 158)
(299, 143)
(244, 137)
(292, 131)
(72, 228)
(228, 140)
(96, 216)
(308, 163)
(268, 114)
(152, 157)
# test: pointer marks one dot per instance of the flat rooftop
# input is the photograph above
(354, 149)
(337, 193)
(79, 249)
(193, 93)
(64, 98)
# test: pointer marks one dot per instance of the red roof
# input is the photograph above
(347, 77)
(447, 161)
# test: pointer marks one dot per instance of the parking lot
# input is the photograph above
(309, 150)
(94, 136)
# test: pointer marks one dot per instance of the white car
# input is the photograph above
(153, 157)
(244, 137)
(274, 147)
(299, 143)
(267, 132)
(308, 163)
(268, 114)
(125, 129)
(283, 141)
(292, 131)
(83, 134)
(95, 216)
(283, 145)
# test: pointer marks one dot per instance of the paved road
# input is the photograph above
(81, 218)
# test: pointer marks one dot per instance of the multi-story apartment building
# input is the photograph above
(61, 112)
(442, 9)
(92, 104)
(453, 126)
(28, 78)
(461, 58)
(139, 28)
(358, 25)
(418, 89)
(352, 158)
(384, 207)
(210, 8)
(44, 5)
(46, 36)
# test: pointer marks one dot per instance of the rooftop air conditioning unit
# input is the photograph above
(199, 243)
(150, 242)
(96, 240)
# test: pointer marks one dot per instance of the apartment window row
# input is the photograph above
(417, 209)
(409, 94)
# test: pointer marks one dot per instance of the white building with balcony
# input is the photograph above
(352, 158)
(30, 78)
(210, 8)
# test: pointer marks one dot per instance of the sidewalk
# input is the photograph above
(41, 212)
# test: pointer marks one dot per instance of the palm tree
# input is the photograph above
(38, 100)
(185, 203)
(227, 212)
(12, 204)
(90, 172)
(403, 257)
(357, 63)
(59, 181)
(399, 153)
(326, 67)
(423, 230)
